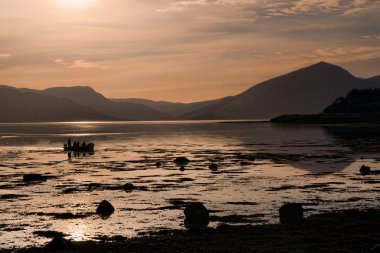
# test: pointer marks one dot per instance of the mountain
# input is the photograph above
(26, 106)
(374, 81)
(175, 109)
(304, 91)
(123, 110)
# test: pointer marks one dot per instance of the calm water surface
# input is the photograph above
(261, 166)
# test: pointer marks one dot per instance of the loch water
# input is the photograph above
(260, 166)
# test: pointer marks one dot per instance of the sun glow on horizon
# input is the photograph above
(74, 4)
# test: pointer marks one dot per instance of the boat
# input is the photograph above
(90, 147)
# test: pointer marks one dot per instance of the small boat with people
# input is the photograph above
(76, 146)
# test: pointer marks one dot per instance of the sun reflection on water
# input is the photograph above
(78, 231)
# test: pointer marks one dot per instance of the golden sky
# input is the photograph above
(184, 51)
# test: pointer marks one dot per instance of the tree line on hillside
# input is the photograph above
(356, 101)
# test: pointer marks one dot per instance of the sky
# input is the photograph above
(182, 51)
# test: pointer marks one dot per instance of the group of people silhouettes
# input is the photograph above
(76, 144)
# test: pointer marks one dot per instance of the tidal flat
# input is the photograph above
(261, 166)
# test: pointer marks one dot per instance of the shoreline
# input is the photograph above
(348, 230)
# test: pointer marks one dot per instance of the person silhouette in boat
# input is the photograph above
(69, 143)
(84, 145)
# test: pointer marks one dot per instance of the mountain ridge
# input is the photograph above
(304, 91)
(42, 108)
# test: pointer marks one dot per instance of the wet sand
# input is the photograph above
(345, 231)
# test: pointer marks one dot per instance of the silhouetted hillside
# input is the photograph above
(175, 109)
(367, 100)
(375, 81)
(122, 110)
(359, 106)
(24, 106)
(304, 91)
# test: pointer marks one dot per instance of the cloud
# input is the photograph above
(183, 5)
(4, 56)
(359, 6)
(80, 64)
(273, 8)
(349, 53)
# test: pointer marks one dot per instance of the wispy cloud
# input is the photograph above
(80, 64)
(281, 7)
(4, 56)
(183, 5)
(349, 53)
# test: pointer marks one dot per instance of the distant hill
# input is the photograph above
(123, 110)
(25, 106)
(174, 109)
(304, 91)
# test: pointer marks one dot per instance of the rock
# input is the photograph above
(365, 170)
(375, 249)
(58, 244)
(158, 164)
(70, 190)
(105, 209)
(196, 216)
(128, 187)
(291, 213)
(49, 234)
(34, 177)
(181, 160)
(213, 166)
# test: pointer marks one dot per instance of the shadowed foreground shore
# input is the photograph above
(345, 231)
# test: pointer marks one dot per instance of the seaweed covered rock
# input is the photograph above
(291, 213)
(196, 215)
(365, 170)
(128, 187)
(213, 166)
(375, 249)
(59, 244)
(34, 177)
(181, 160)
(105, 209)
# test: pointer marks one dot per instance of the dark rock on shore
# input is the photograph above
(213, 166)
(197, 216)
(291, 213)
(58, 244)
(365, 170)
(34, 177)
(158, 164)
(49, 234)
(181, 160)
(375, 249)
(128, 187)
(70, 190)
(105, 209)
